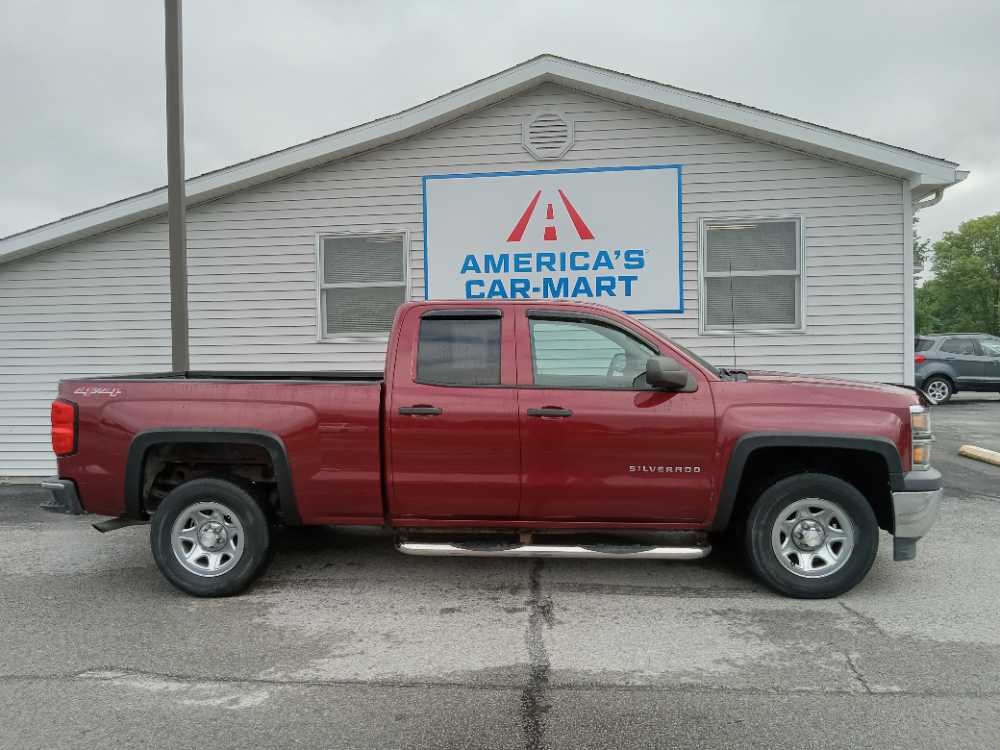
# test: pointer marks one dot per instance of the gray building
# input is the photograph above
(745, 235)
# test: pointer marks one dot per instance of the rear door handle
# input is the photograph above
(421, 410)
(550, 411)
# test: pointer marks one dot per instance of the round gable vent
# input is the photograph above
(547, 135)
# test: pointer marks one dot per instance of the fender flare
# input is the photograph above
(748, 443)
(270, 442)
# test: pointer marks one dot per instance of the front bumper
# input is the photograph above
(65, 498)
(915, 508)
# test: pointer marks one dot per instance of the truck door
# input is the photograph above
(451, 412)
(596, 443)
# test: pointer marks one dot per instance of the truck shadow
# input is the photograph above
(319, 552)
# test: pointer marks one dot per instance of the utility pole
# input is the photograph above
(179, 356)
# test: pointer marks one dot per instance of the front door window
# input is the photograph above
(578, 354)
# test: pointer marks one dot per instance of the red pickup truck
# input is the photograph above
(507, 429)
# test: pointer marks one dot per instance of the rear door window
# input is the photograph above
(959, 346)
(923, 345)
(459, 351)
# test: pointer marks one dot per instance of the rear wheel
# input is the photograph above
(811, 536)
(210, 538)
(938, 389)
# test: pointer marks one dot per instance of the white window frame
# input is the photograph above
(799, 273)
(322, 286)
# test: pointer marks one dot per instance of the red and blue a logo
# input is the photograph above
(582, 230)
(552, 271)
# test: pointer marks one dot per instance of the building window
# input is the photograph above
(362, 280)
(751, 275)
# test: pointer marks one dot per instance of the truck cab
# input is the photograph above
(543, 414)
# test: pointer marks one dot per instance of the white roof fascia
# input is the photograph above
(921, 171)
(756, 123)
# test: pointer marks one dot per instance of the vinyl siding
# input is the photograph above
(93, 308)
(101, 305)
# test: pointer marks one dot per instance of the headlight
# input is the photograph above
(920, 437)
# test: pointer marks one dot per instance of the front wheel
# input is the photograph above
(811, 536)
(210, 538)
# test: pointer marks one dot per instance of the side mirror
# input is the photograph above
(667, 374)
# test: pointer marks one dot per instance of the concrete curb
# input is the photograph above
(980, 454)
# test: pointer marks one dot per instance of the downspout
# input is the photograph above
(910, 207)
(936, 197)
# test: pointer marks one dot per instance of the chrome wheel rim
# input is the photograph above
(938, 391)
(207, 539)
(813, 537)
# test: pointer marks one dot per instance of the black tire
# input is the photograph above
(255, 551)
(781, 496)
(941, 384)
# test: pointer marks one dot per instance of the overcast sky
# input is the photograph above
(81, 81)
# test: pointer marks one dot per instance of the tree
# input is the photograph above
(964, 294)
(921, 251)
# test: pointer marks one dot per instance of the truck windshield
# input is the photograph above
(699, 359)
(696, 357)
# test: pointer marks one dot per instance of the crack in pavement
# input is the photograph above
(857, 674)
(868, 622)
(534, 701)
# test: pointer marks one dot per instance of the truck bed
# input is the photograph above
(327, 425)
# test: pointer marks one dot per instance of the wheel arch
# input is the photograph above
(144, 441)
(942, 371)
(882, 448)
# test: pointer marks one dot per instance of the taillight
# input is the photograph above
(919, 358)
(63, 427)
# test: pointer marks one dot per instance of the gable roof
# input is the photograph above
(925, 174)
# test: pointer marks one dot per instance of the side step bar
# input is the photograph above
(607, 552)
(119, 522)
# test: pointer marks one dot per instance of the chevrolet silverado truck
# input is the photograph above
(510, 428)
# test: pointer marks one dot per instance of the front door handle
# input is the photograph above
(550, 411)
(421, 410)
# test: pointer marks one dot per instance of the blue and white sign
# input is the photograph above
(609, 234)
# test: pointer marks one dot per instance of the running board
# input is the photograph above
(601, 551)
(120, 522)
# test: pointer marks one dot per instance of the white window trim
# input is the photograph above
(800, 273)
(321, 286)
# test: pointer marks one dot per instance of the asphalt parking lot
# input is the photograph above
(345, 643)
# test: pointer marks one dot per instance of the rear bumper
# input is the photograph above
(915, 508)
(65, 498)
